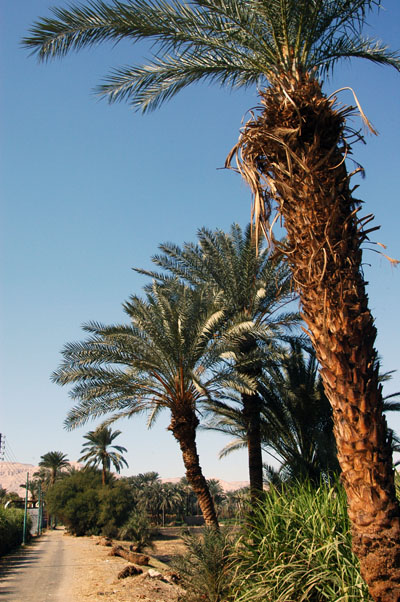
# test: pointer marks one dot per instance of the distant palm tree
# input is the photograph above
(164, 360)
(253, 289)
(190, 502)
(217, 492)
(171, 499)
(54, 462)
(237, 502)
(147, 478)
(97, 451)
(33, 488)
(293, 155)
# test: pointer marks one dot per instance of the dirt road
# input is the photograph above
(39, 572)
(61, 568)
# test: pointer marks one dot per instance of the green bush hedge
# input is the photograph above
(11, 526)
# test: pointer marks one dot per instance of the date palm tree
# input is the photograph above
(293, 154)
(54, 462)
(163, 360)
(252, 287)
(97, 451)
(296, 418)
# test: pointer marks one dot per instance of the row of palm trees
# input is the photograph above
(177, 501)
(159, 501)
(213, 334)
(204, 334)
(292, 153)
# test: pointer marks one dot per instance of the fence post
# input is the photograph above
(26, 509)
(39, 523)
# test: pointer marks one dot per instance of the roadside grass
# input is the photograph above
(297, 548)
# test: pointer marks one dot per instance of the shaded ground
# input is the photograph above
(59, 567)
(38, 572)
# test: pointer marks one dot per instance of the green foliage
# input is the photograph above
(6, 496)
(166, 503)
(204, 569)
(296, 418)
(115, 505)
(298, 548)
(163, 359)
(11, 528)
(235, 505)
(253, 289)
(233, 43)
(86, 507)
(137, 530)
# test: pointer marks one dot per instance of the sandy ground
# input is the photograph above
(82, 570)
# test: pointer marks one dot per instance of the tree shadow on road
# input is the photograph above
(20, 558)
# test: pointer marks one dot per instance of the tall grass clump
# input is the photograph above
(297, 548)
(11, 528)
(205, 567)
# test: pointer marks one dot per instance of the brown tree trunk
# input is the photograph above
(251, 414)
(294, 153)
(183, 426)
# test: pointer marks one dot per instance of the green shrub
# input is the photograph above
(138, 530)
(116, 504)
(86, 507)
(298, 547)
(11, 528)
(204, 569)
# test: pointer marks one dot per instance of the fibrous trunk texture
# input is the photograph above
(183, 426)
(251, 414)
(293, 154)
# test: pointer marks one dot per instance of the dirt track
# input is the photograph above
(62, 568)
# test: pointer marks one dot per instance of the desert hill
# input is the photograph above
(13, 475)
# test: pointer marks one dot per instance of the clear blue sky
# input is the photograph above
(89, 190)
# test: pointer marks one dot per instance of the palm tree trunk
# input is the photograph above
(183, 427)
(252, 418)
(299, 139)
(251, 413)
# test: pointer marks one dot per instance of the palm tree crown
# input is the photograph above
(96, 450)
(54, 461)
(250, 284)
(164, 359)
(232, 42)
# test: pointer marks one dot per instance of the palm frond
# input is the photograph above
(233, 43)
(232, 446)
